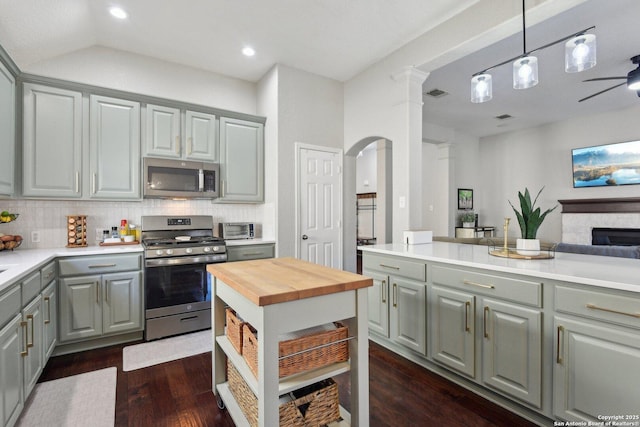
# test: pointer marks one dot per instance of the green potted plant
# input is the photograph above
(468, 219)
(529, 218)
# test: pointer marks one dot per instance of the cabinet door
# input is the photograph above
(595, 370)
(11, 394)
(512, 350)
(122, 308)
(50, 319)
(7, 130)
(201, 137)
(52, 142)
(248, 252)
(162, 125)
(408, 314)
(32, 363)
(378, 303)
(241, 161)
(114, 148)
(453, 329)
(80, 308)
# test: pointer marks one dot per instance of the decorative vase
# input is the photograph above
(468, 224)
(528, 247)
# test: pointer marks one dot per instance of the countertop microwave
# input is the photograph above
(237, 230)
(180, 179)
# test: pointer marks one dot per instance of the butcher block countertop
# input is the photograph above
(276, 280)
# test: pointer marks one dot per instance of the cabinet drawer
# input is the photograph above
(99, 264)
(48, 273)
(504, 287)
(9, 304)
(30, 287)
(396, 266)
(240, 253)
(615, 308)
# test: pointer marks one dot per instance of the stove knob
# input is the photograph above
(188, 250)
(159, 252)
(169, 251)
(207, 249)
(216, 249)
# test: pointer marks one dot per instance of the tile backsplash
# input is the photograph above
(48, 217)
(576, 227)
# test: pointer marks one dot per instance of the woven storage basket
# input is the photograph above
(234, 329)
(309, 356)
(312, 406)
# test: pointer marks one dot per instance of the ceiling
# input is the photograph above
(556, 96)
(333, 38)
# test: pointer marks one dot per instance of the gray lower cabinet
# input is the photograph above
(52, 142)
(11, 392)
(7, 130)
(114, 148)
(106, 303)
(397, 302)
(241, 161)
(33, 361)
(50, 318)
(249, 252)
(596, 368)
(492, 341)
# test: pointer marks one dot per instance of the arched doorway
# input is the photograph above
(368, 196)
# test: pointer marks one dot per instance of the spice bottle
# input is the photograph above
(124, 229)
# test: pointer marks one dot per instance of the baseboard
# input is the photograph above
(91, 344)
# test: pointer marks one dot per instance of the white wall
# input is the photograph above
(542, 157)
(367, 170)
(310, 111)
(115, 69)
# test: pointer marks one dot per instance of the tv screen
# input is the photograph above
(606, 165)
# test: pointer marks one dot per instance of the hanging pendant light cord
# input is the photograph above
(524, 33)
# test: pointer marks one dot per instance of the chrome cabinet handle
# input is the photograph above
(467, 307)
(102, 265)
(609, 310)
(93, 183)
(77, 181)
(252, 253)
(389, 266)
(558, 352)
(470, 283)
(395, 296)
(48, 301)
(98, 293)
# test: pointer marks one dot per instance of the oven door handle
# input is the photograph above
(205, 259)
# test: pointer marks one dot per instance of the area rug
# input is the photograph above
(165, 350)
(79, 400)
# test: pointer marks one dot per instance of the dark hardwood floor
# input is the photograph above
(179, 393)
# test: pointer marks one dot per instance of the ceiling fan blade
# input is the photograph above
(601, 92)
(597, 79)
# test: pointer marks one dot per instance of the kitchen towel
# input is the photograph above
(79, 400)
(165, 350)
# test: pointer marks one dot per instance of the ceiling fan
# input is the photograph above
(632, 80)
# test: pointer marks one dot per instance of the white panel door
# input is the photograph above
(320, 205)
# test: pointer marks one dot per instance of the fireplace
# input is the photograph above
(615, 236)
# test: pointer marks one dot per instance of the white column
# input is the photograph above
(407, 151)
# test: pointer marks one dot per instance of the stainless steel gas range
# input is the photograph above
(177, 285)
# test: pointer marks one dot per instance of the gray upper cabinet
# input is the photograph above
(52, 142)
(241, 161)
(166, 137)
(7, 130)
(114, 148)
(162, 126)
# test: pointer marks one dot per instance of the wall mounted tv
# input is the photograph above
(606, 165)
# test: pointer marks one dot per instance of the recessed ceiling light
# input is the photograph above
(248, 51)
(118, 12)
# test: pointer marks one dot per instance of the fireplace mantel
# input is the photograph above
(611, 205)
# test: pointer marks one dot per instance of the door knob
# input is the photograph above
(305, 237)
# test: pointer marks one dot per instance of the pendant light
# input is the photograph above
(580, 55)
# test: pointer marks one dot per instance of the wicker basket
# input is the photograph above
(300, 354)
(234, 329)
(315, 405)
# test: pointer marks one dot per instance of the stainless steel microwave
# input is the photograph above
(237, 230)
(180, 179)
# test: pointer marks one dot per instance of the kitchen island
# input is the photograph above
(278, 296)
(549, 339)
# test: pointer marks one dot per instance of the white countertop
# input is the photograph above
(601, 271)
(18, 263)
(244, 242)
